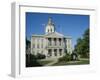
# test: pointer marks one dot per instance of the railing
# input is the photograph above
(53, 46)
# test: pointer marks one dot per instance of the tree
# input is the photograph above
(82, 46)
(28, 43)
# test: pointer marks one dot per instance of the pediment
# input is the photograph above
(54, 35)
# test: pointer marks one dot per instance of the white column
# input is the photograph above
(46, 42)
(58, 53)
(70, 46)
(52, 52)
(62, 42)
(46, 53)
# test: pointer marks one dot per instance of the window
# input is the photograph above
(33, 45)
(60, 52)
(49, 52)
(51, 30)
(60, 41)
(55, 41)
(55, 52)
(49, 41)
(37, 45)
(42, 45)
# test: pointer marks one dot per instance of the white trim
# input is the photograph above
(15, 41)
(18, 42)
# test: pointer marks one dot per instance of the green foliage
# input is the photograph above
(40, 56)
(28, 43)
(82, 62)
(66, 57)
(74, 56)
(82, 46)
(31, 61)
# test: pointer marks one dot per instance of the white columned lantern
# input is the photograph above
(50, 27)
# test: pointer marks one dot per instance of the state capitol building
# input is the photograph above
(52, 44)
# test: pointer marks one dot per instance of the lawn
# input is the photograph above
(81, 62)
(45, 62)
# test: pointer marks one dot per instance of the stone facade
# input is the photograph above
(52, 44)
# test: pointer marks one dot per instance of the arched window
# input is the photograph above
(48, 30)
(51, 30)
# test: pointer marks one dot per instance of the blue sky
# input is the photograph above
(67, 24)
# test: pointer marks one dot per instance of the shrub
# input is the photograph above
(40, 56)
(31, 61)
(66, 57)
(74, 56)
(86, 55)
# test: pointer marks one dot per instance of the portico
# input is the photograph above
(55, 45)
(55, 41)
(55, 52)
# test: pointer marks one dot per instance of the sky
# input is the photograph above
(72, 25)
